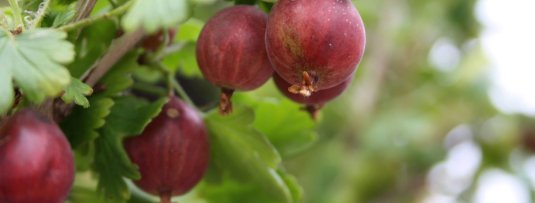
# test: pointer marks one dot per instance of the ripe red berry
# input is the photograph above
(36, 162)
(231, 51)
(314, 45)
(172, 152)
(314, 102)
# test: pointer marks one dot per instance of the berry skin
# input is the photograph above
(36, 161)
(231, 51)
(314, 44)
(172, 153)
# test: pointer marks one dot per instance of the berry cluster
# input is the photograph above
(313, 47)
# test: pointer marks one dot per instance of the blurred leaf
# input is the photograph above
(128, 116)
(238, 130)
(76, 91)
(148, 74)
(184, 60)
(190, 30)
(156, 14)
(33, 60)
(295, 189)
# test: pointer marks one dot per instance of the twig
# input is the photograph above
(116, 51)
(88, 21)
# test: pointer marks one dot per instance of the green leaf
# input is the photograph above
(245, 153)
(82, 124)
(185, 61)
(290, 129)
(237, 129)
(156, 14)
(190, 30)
(128, 116)
(76, 91)
(81, 129)
(34, 61)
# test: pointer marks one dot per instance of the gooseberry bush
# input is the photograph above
(131, 100)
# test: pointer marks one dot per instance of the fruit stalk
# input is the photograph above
(165, 197)
(313, 110)
(225, 104)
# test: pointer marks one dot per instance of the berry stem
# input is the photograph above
(313, 110)
(225, 104)
(165, 197)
